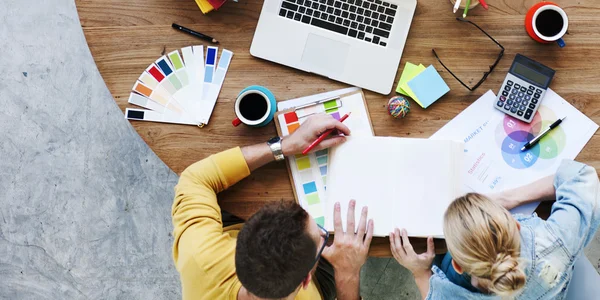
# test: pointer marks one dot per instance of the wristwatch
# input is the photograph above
(275, 145)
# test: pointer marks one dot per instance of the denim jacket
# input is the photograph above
(549, 248)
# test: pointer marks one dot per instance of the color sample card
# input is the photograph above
(428, 86)
(310, 171)
(181, 87)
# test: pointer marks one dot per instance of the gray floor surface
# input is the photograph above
(84, 203)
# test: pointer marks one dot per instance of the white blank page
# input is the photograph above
(406, 183)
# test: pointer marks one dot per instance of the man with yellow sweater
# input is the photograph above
(280, 252)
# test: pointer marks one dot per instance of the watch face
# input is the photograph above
(274, 140)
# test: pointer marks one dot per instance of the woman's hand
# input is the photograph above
(404, 253)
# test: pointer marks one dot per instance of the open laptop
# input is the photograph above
(358, 42)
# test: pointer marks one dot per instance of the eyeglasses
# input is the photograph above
(485, 74)
(325, 235)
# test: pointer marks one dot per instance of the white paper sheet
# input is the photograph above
(406, 183)
(493, 160)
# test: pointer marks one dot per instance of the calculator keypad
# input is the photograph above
(519, 99)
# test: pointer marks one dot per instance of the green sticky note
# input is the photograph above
(176, 61)
(313, 198)
(408, 91)
(409, 72)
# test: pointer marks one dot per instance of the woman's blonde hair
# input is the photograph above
(483, 238)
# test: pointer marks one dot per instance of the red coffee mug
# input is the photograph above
(537, 33)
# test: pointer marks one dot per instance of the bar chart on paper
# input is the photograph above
(309, 172)
(180, 88)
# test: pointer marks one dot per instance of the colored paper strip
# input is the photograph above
(321, 152)
(309, 188)
(320, 221)
(164, 66)
(291, 117)
(313, 199)
(323, 170)
(322, 160)
(330, 104)
(293, 127)
(303, 163)
(176, 60)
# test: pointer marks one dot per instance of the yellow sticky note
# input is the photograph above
(409, 72)
(414, 71)
(205, 7)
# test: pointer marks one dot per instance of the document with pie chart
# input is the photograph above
(493, 158)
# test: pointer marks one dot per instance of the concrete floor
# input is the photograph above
(85, 204)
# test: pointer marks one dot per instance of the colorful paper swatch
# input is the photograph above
(204, 6)
(180, 88)
(310, 171)
(427, 81)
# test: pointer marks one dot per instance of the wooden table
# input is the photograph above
(126, 36)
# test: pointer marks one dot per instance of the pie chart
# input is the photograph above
(512, 134)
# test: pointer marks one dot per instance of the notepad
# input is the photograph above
(409, 72)
(423, 85)
(428, 87)
(406, 183)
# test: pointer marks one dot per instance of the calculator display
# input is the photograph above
(529, 74)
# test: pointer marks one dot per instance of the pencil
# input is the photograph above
(195, 33)
(322, 136)
(456, 6)
(466, 8)
(484, 4)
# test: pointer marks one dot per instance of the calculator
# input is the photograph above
(523, 89)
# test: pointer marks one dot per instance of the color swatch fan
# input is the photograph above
(180, 89)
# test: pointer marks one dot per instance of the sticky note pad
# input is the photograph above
(428, 87)
(409, 72)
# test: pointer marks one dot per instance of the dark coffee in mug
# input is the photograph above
(253, 106)
(549, 23)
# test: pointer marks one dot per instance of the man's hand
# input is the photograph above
(310, 130)
(349, 251)
(405, 254)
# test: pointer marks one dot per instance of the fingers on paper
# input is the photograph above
(369, 233)
(330, 142)
(362, 223)
(350, 224)
(337, 219)
(331, 123)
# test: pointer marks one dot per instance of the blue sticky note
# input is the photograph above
(428, 86)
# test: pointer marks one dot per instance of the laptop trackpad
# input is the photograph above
(324, 56)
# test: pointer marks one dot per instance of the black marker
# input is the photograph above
(195, 33)
(532, 143)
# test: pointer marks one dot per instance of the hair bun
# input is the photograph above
(506, 276)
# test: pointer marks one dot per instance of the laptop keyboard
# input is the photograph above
(367, 20)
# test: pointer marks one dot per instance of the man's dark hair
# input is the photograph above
(274, 251)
